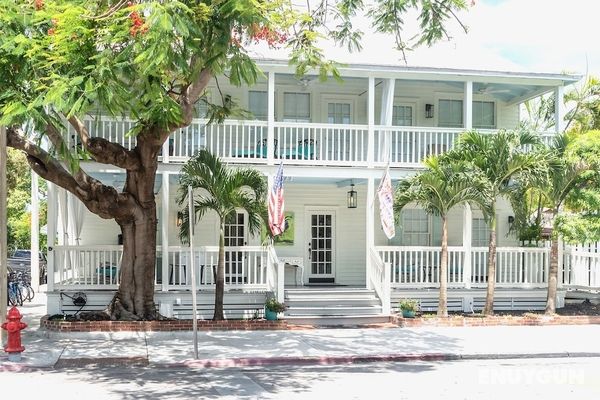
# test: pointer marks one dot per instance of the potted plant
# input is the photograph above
(272, 308)
(409, 307)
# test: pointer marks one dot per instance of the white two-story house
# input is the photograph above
(334, 140)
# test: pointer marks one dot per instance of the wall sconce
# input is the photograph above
(352, 197)
(179, 221)
(511, 219)
(428, 110)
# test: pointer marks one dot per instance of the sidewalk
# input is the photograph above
(319, 346)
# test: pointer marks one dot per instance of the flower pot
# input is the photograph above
(408, 314)
(270, 315)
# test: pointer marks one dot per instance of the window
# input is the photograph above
(415, 228)
(258, 104)
(484, 115)
(202, 107)
(402, 116)
(338, 113)
(480, 233)
(450, 114)
(296, 107)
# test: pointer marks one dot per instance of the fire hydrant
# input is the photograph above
(14, 326)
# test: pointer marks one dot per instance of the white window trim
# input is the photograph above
(295, 90)
(495, 103)
(337, 98)
(415, 104)
(254, 89)
(460, 96)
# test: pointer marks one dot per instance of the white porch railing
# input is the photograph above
(418, 266)
(581, 268)
(246, 141)
(515, 266)
(379, 280)
(98, 267)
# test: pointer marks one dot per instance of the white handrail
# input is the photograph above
(379, 277)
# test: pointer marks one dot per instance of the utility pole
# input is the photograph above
(3, 225)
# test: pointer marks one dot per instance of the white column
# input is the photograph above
(371, 122)
(3, 237)
(467, 244)
(164, 232)
(271, 118)
(35, 232)
(468, 106)
(559, 109)
(51, 228)
(387, 109)
(370, 227)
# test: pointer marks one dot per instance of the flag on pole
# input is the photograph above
(386, 204)
(276, 217)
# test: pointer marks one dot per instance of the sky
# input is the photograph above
(507, 35)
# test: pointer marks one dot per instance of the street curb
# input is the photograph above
(358, 359)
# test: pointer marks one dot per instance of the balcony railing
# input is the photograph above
(295, 143)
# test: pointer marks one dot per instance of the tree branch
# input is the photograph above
(100, 199)
(104, 151)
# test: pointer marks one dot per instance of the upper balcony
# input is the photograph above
(375, 116)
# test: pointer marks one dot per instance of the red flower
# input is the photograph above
(39, 4)
(51, 31)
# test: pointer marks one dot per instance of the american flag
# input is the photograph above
(386, 204)
(276, 217)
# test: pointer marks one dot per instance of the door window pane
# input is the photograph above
(450, 114)
(258, 104)
(296, 107)
(338, 113)
(484, 115)
(402, 116)
(480, 233)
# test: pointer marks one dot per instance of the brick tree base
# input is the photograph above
(498, 320)
(160, 326)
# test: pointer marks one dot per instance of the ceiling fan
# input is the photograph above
(489, 89)
(304, 82)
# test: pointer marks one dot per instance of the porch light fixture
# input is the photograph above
(179, 219)
(428, 110)
(352, 197)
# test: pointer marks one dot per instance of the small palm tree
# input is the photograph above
(224, 191)
(502, 157)
(444, 184)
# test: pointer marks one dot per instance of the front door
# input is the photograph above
(235, 236)
(321, 246)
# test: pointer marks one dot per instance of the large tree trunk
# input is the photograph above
(443, 302)
(220, 284)
(491, 268)
(552, 277)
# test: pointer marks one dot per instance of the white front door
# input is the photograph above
(235, 236)
(321, 246)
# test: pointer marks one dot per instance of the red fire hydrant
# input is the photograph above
(14, 326)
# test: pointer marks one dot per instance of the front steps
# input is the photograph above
(330, 306)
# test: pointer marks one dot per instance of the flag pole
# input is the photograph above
(191, 224)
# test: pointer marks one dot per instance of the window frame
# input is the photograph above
(295, 118)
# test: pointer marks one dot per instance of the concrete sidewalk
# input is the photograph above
(318, 346)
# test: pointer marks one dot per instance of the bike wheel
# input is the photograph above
(12, 296)
(30, 292)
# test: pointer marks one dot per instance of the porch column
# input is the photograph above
(51, 231)
(466, 244)
(387, 109)
(371, 123)
(559, 109)
(271, 118)
(468, 106)
(370, 228)
(35, 232)
(164, 232)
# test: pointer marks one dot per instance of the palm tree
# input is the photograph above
(444, 184)
(502, 157)
(226, 192)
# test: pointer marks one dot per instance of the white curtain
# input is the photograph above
(64, 216)
(76, 218)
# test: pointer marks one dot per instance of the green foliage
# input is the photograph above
(273, 305)
(444, 184)
(409, 305)
(222, 190)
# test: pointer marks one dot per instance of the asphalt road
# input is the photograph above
(491, 379)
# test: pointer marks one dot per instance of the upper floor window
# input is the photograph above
(258, 104)
(484, 114)
(450, 114)
(402, 116)
(296, 107)
(338, 113)
(202, 107)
